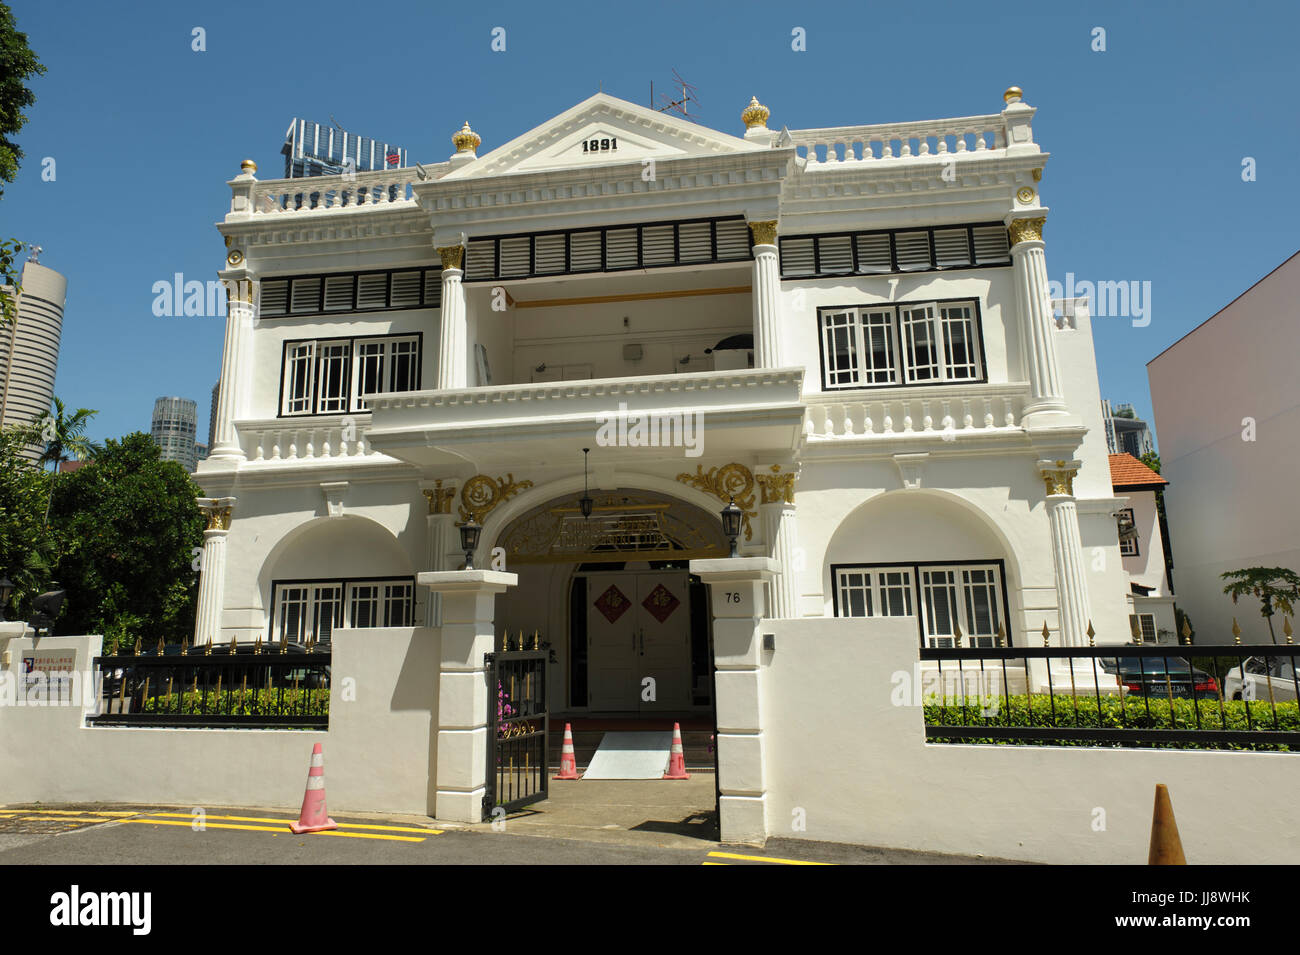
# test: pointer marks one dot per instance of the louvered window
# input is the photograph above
(480, 259)
(694, 242)
(406, 290)
(306, 295)
(951, 248)
(657, 245)
(991, 244)
(338, 292)
(620, 249)
(549, 253)
(912, 250)
(372, 291)
(797, 257)
(733, 239)
(835, 255)
(515, 253)
(873, 253)
(273, 297)
(584, 251)
(433, 288)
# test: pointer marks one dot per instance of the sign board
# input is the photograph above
(47, 674)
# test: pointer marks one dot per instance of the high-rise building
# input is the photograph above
(29, 348)
(174, 423)
(314, 150)
(1126, 433)
(212, 416)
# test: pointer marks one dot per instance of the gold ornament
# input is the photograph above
(1060, 480)
(1025, 194)
(1026, 230)
(218, 518)
(764, 232)
(480, 494)
(451, 256)
(731, 481)
(235, 257)
(248, 166)
(439, 498)
(776, 486)
(1012, 95)
(755, 114)
(466, 141)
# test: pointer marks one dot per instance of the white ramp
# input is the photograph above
(631, 756)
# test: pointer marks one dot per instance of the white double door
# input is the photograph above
(638, 641)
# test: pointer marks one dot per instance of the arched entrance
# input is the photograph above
(612, 597)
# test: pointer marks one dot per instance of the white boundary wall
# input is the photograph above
(379, 750)
(838, 748)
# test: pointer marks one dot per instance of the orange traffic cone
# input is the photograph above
(677, 756)
(1166, 848)
(568, 762)
(314, 817)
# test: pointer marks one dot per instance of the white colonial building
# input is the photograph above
(847, 330)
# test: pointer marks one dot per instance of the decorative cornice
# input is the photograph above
(480, 494)
(776, 487)
(730, 481)
(451, 255)
(1026, 230)
(439, 497)
(764, 232)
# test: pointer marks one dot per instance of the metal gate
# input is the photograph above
(517, 727)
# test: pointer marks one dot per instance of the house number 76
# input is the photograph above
(732, 597)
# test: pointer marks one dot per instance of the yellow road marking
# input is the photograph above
(284, 830)
(342, 825)
(67, 812)
(714, 863)
(72, 820)
(732, 855)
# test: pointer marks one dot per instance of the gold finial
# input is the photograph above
(1046, 634)
(185, 645)
(1187, 630)
(1012, 95)
(1002, 636)
(755, 114)
(1236, 632)
(257, 644)
(207, 649)
(956, 635)
(1092, 642)
(284, 645)
(1135, 630)
(1286, 628)
(248, 166)
(537, 640)
(159, 651)
(466, 141)
(137, 646)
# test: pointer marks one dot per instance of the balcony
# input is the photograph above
(948, 413)
(718, 414)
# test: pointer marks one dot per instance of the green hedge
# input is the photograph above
(1109, 713)
(274, 702)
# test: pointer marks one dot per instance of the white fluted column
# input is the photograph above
(768, 350)
(1067, 551)
(1029, 273)
(440, 532)
(468, 612)
(236, 371)
(212, 569)
(737, 588)
(780, 533)
(453, 371)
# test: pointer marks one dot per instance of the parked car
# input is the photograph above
(1263, 674)
(1162, 676)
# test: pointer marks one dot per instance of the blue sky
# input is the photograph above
(1145, 181)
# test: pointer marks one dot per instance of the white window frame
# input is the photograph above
(1129, 547)
(1146, 626)
(305, 363)
(391, 604)
(923, 582)
(903, 323)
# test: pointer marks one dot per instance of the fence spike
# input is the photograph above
(207, 649)
(1092, 634)
(137, 646)
(1286, 628)
(1236, 632)
(1002, 635)
(233, 645)
(284, 645)
(1187, 630)
(537, 640)
(1047, 636)
(257, 645)
(159, 651)
(185, 645)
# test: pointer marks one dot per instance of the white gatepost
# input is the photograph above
(468, 612)
(737, 588)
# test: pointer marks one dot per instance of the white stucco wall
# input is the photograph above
(867, 776)
(380, 748)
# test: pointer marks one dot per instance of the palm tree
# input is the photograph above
(1276, 587)
(64, 439)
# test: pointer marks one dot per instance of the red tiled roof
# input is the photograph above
(1127, 471)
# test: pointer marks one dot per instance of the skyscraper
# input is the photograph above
(29, 349)
(314, 150)
(174, 423)
(212, 416)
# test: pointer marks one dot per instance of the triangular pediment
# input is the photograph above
(601, 131)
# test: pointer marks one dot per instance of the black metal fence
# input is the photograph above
(518, 722)
(1199, 697)
(276, 685)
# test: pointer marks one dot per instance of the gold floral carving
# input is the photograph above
(451, 256)
(725, 483)
(1026, 230)
(764, 232)
(1060, 480)
(439, 498)
(480, 494)
(777, 487)
(218, 518)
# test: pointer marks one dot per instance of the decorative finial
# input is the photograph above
(248, 167)
(1002, 636)
(956, 635)
(1092, 642)
(1236, 632)
(1187, 630)
(1046, 634)
(755, 114)
(466, 141)
(1012, 95)
(1286, 628)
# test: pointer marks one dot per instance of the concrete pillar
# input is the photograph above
(212, 569)
(468, 611)
(1038, 326)
(768, 350)
(235, 367)
(440, 537)
(1067, 553)
(736, 593)
(453, 371)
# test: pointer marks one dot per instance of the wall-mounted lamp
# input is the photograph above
(469, 533)
(731, 525)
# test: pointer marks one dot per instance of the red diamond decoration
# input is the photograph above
(661, 603)
(612, 603)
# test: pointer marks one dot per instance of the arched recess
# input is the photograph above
(348, 546)
(924, 526)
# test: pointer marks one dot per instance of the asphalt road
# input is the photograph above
(81, 836)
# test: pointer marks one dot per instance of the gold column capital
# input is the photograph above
(1026, 230)
(451, 255)
(1058, 476)
(439, 497)
(763, 232)
(216, 511)
(776, 487)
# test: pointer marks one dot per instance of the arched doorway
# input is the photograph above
(612, 597)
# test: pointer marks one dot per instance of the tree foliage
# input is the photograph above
(1276, 588)
(26, 553)
(17, 64)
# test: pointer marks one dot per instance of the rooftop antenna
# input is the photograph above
(34, 254)
(679, 105)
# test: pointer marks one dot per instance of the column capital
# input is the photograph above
(1058, 476)
(763, 231)
(451, 255)
(1021, 228)
(439, 497)
(217, 511)
(777, 487)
